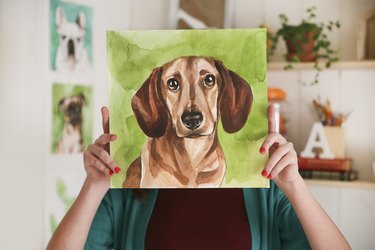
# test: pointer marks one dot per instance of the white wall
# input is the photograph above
(24, 61)
(351, 206)
(21, 119)
(24, 52)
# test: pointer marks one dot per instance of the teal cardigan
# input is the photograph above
(121, 221)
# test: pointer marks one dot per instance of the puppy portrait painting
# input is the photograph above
(71, 37)
(71, 139)
(189, 108)
(71, 118)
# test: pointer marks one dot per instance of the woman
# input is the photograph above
(282, 217)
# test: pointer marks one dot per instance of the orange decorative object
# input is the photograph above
(276, 94)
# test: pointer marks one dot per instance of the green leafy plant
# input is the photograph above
(307, 42)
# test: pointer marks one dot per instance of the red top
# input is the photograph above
(199, 219)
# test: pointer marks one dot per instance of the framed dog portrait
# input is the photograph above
(72, 107)
(189, 108)
(71, 37)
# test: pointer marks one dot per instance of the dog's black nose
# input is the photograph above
(70, 47)
(192, 120)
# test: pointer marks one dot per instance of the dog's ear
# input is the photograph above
(60, 17)
(82, 97)
(81, 20)
(148, 108)
(61, 105)
(235, 100)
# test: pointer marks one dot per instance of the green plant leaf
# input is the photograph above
(296, 35)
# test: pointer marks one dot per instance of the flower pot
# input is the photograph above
(302, 48)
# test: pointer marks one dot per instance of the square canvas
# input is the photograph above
(189, 108)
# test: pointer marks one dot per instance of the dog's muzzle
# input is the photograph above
(192, 120)
(70, 47)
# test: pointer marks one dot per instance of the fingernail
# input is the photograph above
(264, 173)
(262, 150)
(270, 176)
(111, 172)
(113, 137)
(117, 170)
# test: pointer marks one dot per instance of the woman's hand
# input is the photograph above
(282, 165)
(99, 165)
(73, 229)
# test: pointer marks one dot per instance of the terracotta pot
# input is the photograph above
(306, 54)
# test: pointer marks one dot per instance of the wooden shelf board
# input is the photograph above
(348, 184)
(337, 65)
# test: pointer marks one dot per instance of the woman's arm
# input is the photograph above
(282, 167)
(74, 227)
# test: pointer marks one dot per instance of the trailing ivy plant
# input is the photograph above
(297, 35)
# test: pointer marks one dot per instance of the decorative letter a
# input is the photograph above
(313, 142)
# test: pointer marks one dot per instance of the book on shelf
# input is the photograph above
(330, 175)
(317, 164)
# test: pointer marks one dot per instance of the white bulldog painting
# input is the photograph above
(71, 38)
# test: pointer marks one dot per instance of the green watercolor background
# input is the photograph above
(133, 54)
(60, 91)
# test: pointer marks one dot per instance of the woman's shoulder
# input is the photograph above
(269, 199)
(267, 192)
(119, 197)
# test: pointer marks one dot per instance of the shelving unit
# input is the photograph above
(337, 65)
(346, 184)
(351, 205)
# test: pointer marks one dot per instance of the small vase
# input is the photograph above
(302, 48)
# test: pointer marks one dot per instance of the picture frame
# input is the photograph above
(160, 133)
(198, 20)
(366, 36)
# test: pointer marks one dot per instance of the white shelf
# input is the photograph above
(309, 65)
(348, 184)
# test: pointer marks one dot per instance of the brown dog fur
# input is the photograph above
(176, 155)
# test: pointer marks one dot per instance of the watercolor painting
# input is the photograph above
(71, 118)
(71, 37)
(62, 186)
(189, 108)
(61, 192)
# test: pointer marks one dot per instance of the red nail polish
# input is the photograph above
(264, 173)
(117, 170)
(270, 176)
(262, 150)
(111, 172)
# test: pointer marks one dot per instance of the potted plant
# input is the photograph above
(307, 42)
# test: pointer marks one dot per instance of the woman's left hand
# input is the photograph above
(282, 165)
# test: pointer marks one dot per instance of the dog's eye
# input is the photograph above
(209, 80)
(63, 37)
(173, 84)
(78, 39)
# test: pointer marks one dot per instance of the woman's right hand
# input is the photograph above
(99, 165)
